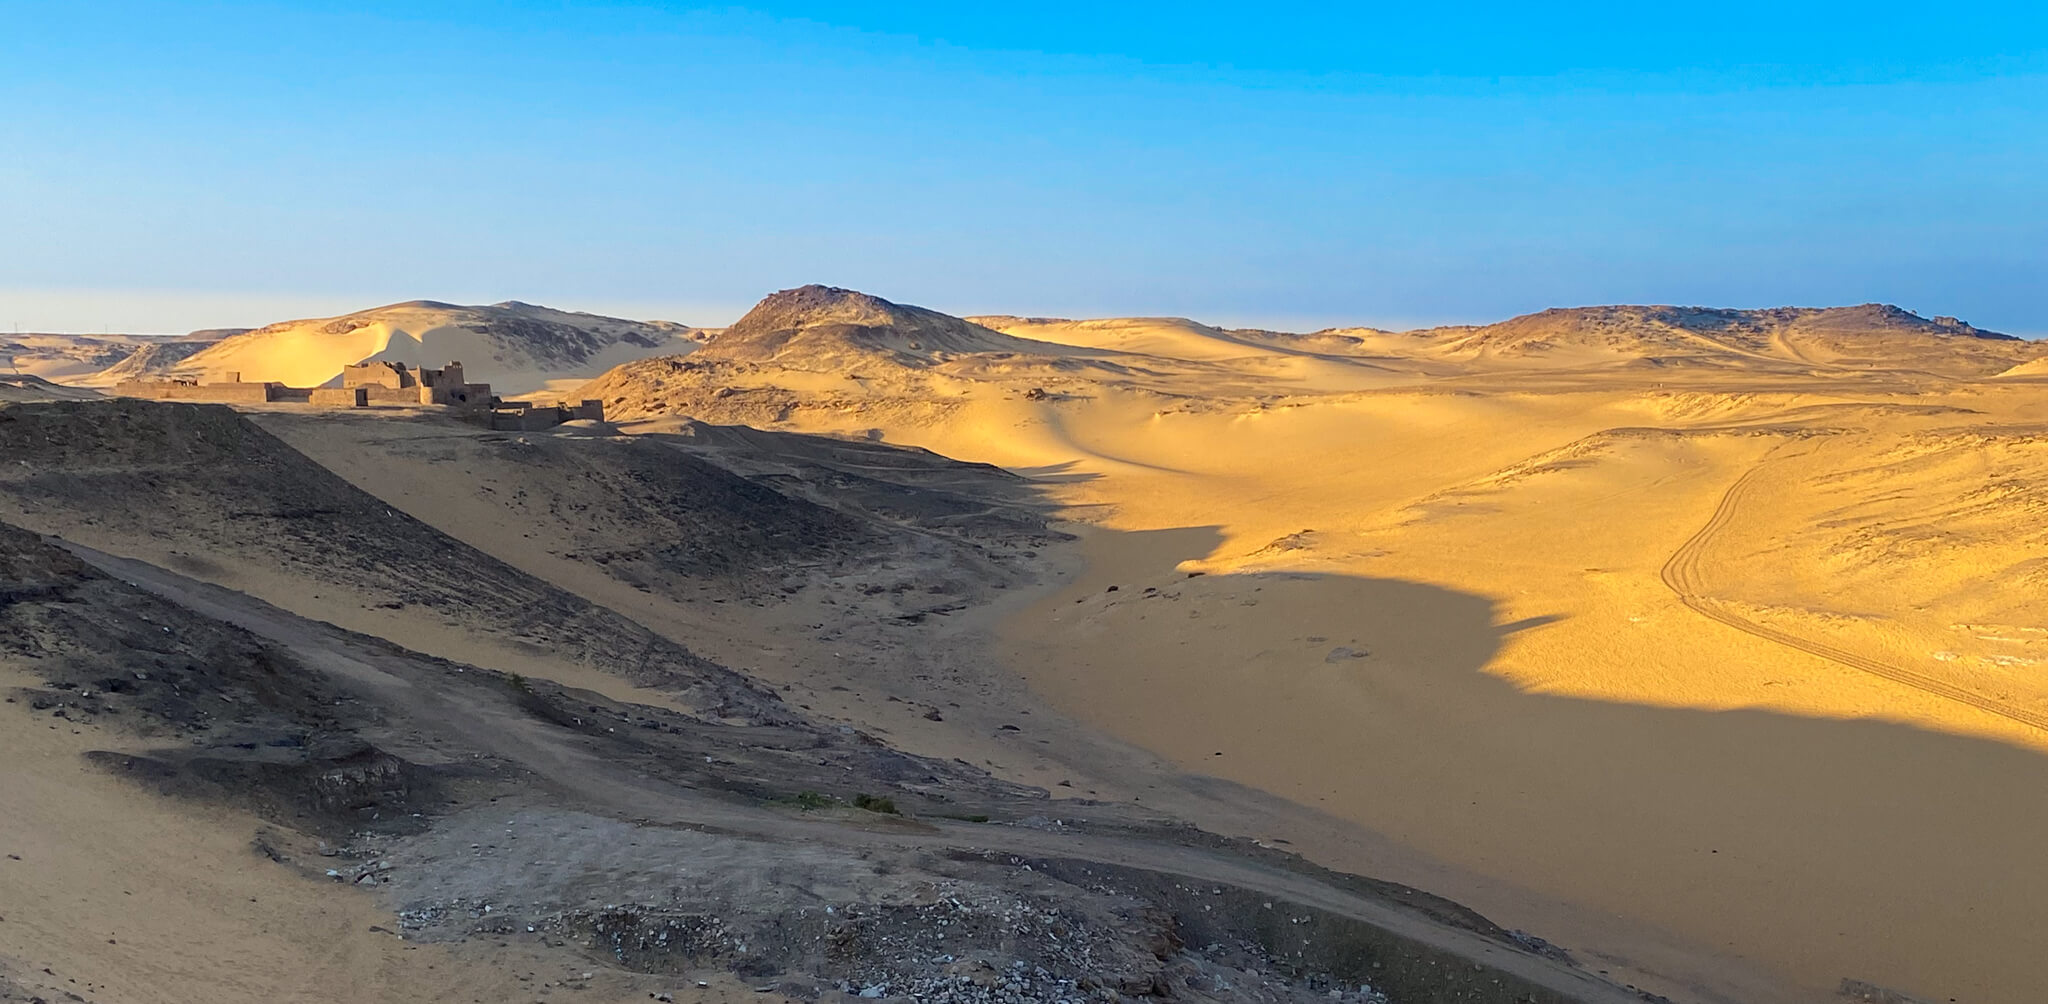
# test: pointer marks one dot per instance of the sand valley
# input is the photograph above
(1627, 652)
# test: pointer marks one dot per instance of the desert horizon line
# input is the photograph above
(279, 308)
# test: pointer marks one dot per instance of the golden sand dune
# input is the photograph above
(2031, 368)
(518, 347)
(1705, 639)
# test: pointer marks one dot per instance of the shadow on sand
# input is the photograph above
(1818, 848)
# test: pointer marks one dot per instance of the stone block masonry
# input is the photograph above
(526, 416)
(235, 392)
(362, 386)
(367, 385)
(340, 397)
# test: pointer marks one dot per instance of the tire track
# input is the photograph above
(582, 777)
(1681, 574)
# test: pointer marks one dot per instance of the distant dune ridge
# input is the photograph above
(822, 347)
(151, 360)
(1872, 331)
(516, 346)
(77, 358)
(64, 357)
(816, 329)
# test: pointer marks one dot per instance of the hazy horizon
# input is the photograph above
(171, 314)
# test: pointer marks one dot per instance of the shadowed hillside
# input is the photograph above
(234, 502)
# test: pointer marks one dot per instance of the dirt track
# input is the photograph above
(1682, 574)
(596, 784)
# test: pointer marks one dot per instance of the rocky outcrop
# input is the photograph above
(824, 324)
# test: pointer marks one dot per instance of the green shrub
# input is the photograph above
(814, 800)
(873, 804)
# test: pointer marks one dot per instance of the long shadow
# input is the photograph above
(1061, 473)
(1819, 848)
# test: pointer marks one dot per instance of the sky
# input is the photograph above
(168, 166)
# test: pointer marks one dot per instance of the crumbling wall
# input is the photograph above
(186, 390)
(460, 395)
(528, 420)
(341, 397)
(393, 376)
(362, 385)
(382, 394)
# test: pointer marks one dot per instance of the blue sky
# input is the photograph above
(165, 166)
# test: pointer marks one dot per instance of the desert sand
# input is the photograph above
(481, 755)
(1698, 643)
(1659, 641)
(519, 347)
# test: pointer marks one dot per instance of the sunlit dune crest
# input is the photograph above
(1826, 514)
(518, 347)
(1698, 638)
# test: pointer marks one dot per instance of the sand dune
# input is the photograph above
(1700, 642)
(2030, 368)
(1611, 615)
(1871, 335)
(66, 357)
(1171, 337)
(86, 359)
(517, 347)
(147, 362)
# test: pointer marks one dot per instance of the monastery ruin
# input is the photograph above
(370, 384)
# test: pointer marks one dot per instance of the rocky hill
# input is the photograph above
(79, 358)
(1867, 335)
(149, 360)
(824, 326)
(821, 347)
(64, 357)
(806, 353)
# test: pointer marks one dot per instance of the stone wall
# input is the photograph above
(340, 397)
(381, 394)
(529, 420)
(184, 390)
(380, 374)
(457, 395)
(361, 386)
